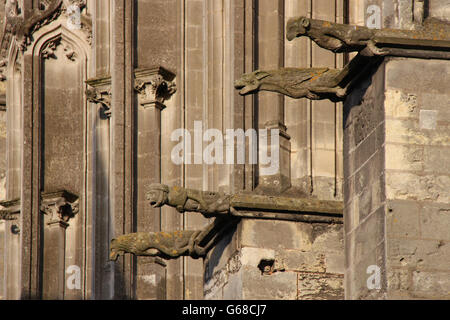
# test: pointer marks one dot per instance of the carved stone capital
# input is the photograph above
(10, 210)
(60, 207)
(154, 86)
(100, 93)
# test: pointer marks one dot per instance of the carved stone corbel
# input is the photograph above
(100, 93)
(154, 86)
(60, 207)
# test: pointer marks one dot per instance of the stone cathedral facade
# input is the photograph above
(122, 124)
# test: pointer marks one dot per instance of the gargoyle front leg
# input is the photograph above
(322, 92)
(372, 50)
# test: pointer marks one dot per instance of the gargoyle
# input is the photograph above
(171, 245)
(332, 36)
(210, 204)
(157, 244)
(346, 38)
(312, 83)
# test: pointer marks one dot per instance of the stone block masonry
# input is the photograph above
(277, 260)
(397, 186)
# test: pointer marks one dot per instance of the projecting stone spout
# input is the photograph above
(167, 245)
(338, 37)
(210, 204)
(311, 83)
(331, 36)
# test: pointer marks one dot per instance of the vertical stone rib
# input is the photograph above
(121, 133)
(30, 183)
(297, 54)
(271, 106)
(323, 115)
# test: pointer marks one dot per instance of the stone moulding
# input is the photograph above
(154, 86)
(60, 206)
(100, 93)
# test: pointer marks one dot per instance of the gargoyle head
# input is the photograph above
(297, 27)
(250, 82)
(157, 195)
(116, 251)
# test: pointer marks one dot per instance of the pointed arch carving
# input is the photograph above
(56, 67)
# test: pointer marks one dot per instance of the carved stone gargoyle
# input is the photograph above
(210, 204)
(311, 83)
(171, 245)
(167, 245)
(226, 210)
(347, 38)
(328, 35)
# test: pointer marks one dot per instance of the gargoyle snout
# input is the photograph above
(296, 27)
(238, 84)
(153, 203)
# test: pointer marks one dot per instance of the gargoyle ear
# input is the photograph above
(305, 22)
(261, 75)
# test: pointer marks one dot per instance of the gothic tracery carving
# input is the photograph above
(49, 50)
(21, 29)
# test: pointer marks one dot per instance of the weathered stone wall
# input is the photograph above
(417, 178)
(277, 260)
(397, 181)
(439, 9)
(364, 195)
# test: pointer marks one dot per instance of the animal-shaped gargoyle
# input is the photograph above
(311, 83)
(346, 38)
(331, 36)
(168, 245)
(210, 204)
